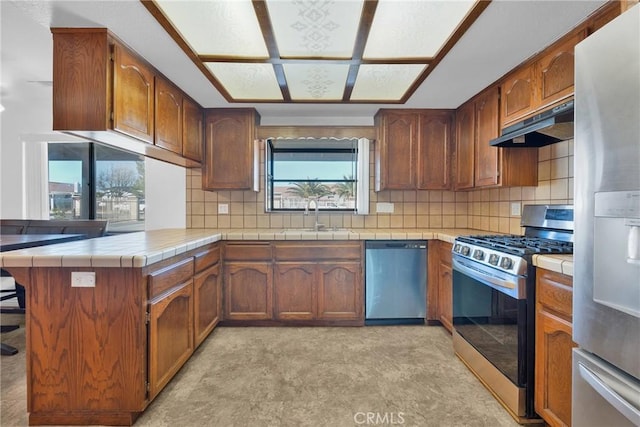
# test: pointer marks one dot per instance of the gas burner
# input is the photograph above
(520, 245)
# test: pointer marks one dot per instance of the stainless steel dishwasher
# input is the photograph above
(395, 282)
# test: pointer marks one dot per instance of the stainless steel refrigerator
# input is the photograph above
(606, 299)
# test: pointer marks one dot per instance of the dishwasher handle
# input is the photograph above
(396, 244)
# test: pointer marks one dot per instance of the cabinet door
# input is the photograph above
(192, 130)
(229, 138)
(465, 143)
(170, 335)
(248, 291)
(445, 286)
(434, 151)
(487, 159)
(207, 301)
(555, 72)
(340, 291)
(396, 151)
(133, 94)
(294, 291)
(553, 347)
(168, 118)
(517, 96)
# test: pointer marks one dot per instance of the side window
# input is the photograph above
(93, 181)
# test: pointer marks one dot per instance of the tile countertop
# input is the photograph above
(146, 248)
(558, 263)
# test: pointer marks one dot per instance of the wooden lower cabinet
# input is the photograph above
(440, 284)
(295, 296)
(340, 291)
(207, 302)
(248, 290)
(553, 347)
(170, 335)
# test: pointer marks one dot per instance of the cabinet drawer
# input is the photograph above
(307, 251)
(207, 258)
(254, 251)
(164, 279)
(555, 291)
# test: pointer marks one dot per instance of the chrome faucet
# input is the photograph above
(316, 226)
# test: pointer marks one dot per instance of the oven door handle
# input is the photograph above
(504, 286)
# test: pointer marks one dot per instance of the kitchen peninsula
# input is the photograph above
(102, 345)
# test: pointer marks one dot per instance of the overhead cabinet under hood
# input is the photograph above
(551, 126)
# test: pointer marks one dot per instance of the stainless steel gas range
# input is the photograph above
(494, 302)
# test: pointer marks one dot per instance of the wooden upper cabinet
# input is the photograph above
(169, 114)
(487, 158)
(229, 138)
(413, 149)
(555, 71)
(434, 150)
(518, 95)
(542, 82)
(133, 95)
(465, 147)
(395, 151)
(477, 163)
(192, 130)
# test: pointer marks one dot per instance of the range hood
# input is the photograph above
(546, 128)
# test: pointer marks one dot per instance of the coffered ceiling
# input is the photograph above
(316, 50)
(503, 35)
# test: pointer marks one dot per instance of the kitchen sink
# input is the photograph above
(311, 230)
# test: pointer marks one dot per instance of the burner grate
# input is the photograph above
(520, 245)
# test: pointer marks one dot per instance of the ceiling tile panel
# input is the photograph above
(413, 29)
(319, 82)
(247, 81)
(385, 81)
(315, 28)
(217, 27)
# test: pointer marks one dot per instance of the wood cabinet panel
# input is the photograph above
(555, 71)
(340, 291)
(228, 154)
(170, 335)
(465, 147)
(247, 251)
(207, 258)
(518, 95)
(248, 290)
(487, 158)
(553, 359)
(434, 150)
(396, 150)
(167, 277)
(317, 251)
(168, 116)
(445, 286)
(294, 291)
(133, 96)
(192, 130)
(207, 301)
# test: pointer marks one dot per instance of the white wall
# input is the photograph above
(27, 121)
(165, 195)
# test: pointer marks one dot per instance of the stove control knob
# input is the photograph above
(506, 263)
(457, 247)
(493, 259)
(478, 254)
(465, 250)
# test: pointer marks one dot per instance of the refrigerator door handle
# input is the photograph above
(610, 394)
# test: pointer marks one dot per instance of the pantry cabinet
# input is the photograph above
(554, 344)
(480, 165)
(104, 91)
(412, 150)
(229, 149)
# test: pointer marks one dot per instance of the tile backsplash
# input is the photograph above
(489, 209)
